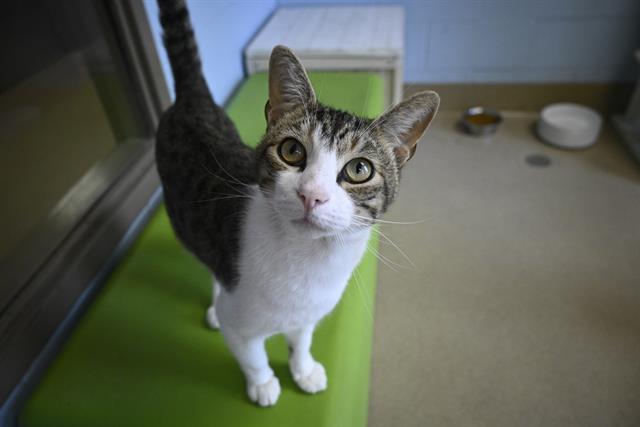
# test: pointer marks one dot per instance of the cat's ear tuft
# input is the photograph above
(406, 123)
(289, 86)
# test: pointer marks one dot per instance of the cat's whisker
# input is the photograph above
(231, 184)
(362, 221)
(390, 261)
(388, 241)
(382, 221)
(215, 199)
(225, 171)
(356, 226)
(251, 196)
(385, 237)
(363, 294)
(382, 260)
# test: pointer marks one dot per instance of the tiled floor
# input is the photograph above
(523, 308)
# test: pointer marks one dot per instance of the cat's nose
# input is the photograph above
(311, 199)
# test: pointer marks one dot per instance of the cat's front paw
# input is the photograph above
(312, 382)
(212, 318)
(265, 394)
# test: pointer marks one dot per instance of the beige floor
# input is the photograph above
(524, 305)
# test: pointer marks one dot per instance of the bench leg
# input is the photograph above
(307, 373)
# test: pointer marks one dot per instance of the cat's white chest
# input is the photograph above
(286, 282)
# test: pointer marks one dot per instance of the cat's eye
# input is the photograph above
(292, 152)
(358, 171)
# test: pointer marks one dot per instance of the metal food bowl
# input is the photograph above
(480, 121)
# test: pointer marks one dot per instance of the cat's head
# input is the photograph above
(325, 171)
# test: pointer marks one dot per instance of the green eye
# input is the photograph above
(358, 171)
(292, 152)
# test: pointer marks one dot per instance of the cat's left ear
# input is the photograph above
(289, 86)
(407, 122)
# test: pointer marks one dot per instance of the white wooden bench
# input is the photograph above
(368, 38)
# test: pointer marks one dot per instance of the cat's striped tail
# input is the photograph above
(180, 44)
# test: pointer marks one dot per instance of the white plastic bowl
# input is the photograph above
(569, 125)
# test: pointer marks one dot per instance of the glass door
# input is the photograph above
(80, 94)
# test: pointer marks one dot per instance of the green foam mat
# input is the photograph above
(142, 355)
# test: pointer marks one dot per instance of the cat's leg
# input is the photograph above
(307, 373)
(212, 318)
(263, 386)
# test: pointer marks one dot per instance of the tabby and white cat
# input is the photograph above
(283, 226)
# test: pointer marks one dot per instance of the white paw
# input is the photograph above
(313, 382)
(265, 394)
(212, 318)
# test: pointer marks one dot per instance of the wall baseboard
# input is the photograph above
(606, 98)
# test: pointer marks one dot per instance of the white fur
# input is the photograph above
(292, 273)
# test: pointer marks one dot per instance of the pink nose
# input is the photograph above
(311, 199)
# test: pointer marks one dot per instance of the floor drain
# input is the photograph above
(538, 160)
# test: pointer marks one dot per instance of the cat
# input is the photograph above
(283, 226)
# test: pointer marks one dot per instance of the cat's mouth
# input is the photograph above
(309, 223)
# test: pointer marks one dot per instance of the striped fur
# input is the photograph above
(204, 167)
(180, 43)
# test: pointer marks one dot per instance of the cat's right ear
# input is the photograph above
(289, 86)
(407, 122)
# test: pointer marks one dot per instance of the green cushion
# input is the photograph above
(142, 356)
